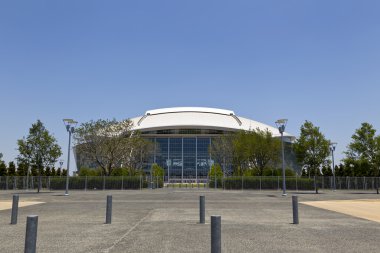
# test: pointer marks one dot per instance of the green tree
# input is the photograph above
(110, 143)
(53, 172)
(157, 171)
(326, 171)
(141, 149)
(312, 149)
(39, 149)
(222, 150)
(59, 172)
(48, 172)
(216, 170)
(11, 169)
(34, 171)
(3, 169)
(363, 152)
(41, 171)
(340, 170)
(22, 169)
(257, 148)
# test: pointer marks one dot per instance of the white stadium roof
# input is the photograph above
(200, 118)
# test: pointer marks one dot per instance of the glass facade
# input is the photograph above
(175, 156)
(183, 153)
(189, 156)
(203, 156)
(182, 157)
(161, 151)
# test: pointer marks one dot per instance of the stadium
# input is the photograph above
(183, 135)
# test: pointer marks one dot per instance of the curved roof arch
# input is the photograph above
(198, 117)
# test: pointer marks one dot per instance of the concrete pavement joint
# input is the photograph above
(128, 232)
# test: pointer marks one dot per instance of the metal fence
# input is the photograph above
(78, 183)
(227, 183)
(296, 183)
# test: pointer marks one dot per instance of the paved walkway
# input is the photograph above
(166, 220)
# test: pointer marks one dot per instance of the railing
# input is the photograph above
(227, 183)
(79, 183)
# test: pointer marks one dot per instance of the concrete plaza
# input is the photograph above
(166, 220)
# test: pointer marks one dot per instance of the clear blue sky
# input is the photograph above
(302, 60)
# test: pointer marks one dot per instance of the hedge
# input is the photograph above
(264, 183)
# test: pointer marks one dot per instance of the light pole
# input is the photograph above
(70, 124)
(332, 149)
(281, 124)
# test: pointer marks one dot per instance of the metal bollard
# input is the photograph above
(295, 209)
(202, 209)
(31, 234)
(14, 209)
(109, 209)
(216, 234)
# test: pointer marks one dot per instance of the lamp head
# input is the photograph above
(281, 124)
(70, 124)
(333, 146)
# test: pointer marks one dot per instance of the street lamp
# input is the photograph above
(70, 124)
(332, 149)
(281, 124)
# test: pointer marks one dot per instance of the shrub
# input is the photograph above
(90, 172)
(157, 170)
(270, 183)
(215, 169)
(120, 172)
